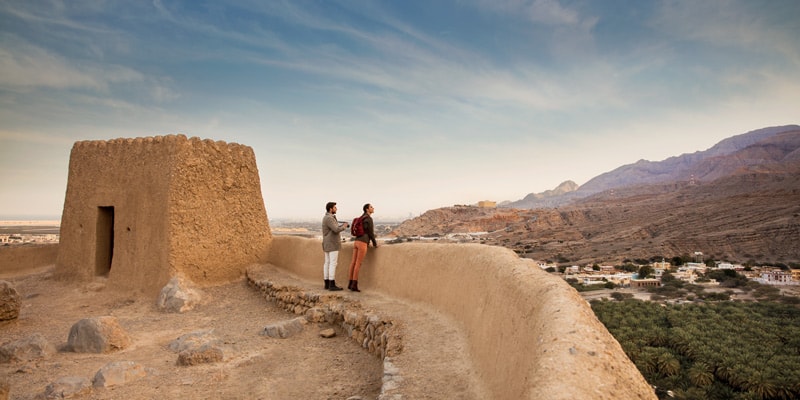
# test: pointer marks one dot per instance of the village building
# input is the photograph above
(650, 282)
(776, 277)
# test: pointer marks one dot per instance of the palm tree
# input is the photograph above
(700, 374)
(667, 364)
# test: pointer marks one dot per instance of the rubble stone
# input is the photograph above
(10, 302)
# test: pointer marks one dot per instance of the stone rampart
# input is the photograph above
(140, 211)
(531, 335)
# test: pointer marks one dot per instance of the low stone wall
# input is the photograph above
(377, 334)
(23, 258)
(530, 334)
(374, 332)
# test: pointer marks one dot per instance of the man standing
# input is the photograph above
(360, 245)
(331, 244)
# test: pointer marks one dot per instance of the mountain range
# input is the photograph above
(737, 201)
(769, 146)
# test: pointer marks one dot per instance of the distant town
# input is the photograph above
(680, 282)
(28, 232)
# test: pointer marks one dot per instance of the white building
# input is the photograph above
(596, 279)
(776, 278)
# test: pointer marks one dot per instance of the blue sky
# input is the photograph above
(409, 105)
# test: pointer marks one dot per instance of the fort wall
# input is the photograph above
(140, 211)
(531, 335)
(18, 259)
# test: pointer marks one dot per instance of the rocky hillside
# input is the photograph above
(740, 206)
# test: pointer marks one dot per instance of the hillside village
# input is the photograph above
(691, 272)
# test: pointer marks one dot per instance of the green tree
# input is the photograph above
(628, 267)
(668, 279)
(619, 296)
(645, 271)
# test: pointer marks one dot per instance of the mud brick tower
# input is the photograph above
(139, 211)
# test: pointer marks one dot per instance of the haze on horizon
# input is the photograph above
(407, 105)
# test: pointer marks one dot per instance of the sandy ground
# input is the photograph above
(435, 362)
(305, 366)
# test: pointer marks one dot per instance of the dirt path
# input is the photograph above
(434, 363)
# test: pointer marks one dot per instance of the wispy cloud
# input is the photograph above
(26, 65)
(50, 14)
(548, 12)
(744, 25)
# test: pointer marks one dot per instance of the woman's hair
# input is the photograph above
(366, 206)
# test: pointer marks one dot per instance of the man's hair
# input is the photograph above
(366, 206)
(329, 205)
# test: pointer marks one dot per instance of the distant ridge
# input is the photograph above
(723, 159)
(548, 198)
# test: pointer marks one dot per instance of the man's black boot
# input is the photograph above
(327, 284)
(333, 286)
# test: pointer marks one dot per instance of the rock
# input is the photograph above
(97, 335)
(118, 373)
(207, 353)
(30, 348)
(193, 340)
(315, 314)
(65, 388)
(284, 329)
(327, 333)
(177, 296)
(10, 302)
(199, 347)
